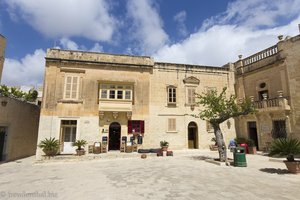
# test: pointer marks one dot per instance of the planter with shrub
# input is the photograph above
(288, 147)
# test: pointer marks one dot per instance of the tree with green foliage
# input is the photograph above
(14, 92)
(217, 109)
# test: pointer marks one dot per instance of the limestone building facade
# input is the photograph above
(98, 96)
(2, 53)
(271, 78)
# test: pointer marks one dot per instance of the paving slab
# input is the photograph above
(186, 175)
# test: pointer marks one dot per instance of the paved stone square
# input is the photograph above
(184, 176)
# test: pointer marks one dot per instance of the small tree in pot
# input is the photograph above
(49, 146)
(164, 145)
(79, 144)
(251, 146)
(287, 147)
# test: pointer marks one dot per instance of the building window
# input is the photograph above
(191, 96)
(69, 130)
(279, 129)
(136, 126)
(171, 95)
(171, 125)
(115, 92)
(71, 87)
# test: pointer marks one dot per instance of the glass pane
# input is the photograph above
(75, 79)
(112, 94)
(103, 94)
(120, 94)
(68, 87)
(120, 87)
(112, 86)
(69, 79)
(73, 135)
(127, 94)
(127, 87)
(73, 122)
(103, 86)
(67, 133)
(73, 95)
(68, 94)
(64, 122)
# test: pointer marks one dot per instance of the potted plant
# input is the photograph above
(164, 145)
(213, 147)
(251, 146)
(79, 144)
(287, 147)
(49, 146)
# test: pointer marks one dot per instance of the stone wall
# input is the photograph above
(21, 121)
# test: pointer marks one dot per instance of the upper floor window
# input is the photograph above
(191, 95)
(171, 95)
(71, 87)
(118, 92)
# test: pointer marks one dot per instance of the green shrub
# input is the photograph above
(285, 147)
(240, 140)
(251, 143)
(164, 143)
(79, 144)
(49, 146)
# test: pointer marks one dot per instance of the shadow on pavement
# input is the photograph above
(201, 157)
(275, 171)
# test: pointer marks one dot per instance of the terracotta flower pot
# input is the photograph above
(293, 166)
(252, 150)
(80, 152)
(164, 148)
(51, 152)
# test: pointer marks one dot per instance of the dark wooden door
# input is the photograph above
(114, 136)
(2, 138)
(253, 133)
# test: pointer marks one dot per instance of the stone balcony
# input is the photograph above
(278, 104)
(259, 60)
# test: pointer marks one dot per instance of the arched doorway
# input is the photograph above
(114, 136)
(192, 136)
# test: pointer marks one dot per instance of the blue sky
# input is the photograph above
(206, 32)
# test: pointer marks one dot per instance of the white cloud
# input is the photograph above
(147, 26)
(256, 13)
(97, 48)
(180, 18)
(28, 71)
(68, 44)
(67, 18)
(221, 40)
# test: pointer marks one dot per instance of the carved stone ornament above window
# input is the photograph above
(191, 80)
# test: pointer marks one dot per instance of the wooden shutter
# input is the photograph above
(142, 126)
(68, 87)
(171, 124)
(129, 126)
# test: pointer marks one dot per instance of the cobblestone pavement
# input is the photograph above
(184, 176)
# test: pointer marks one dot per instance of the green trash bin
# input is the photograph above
(239, 156)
